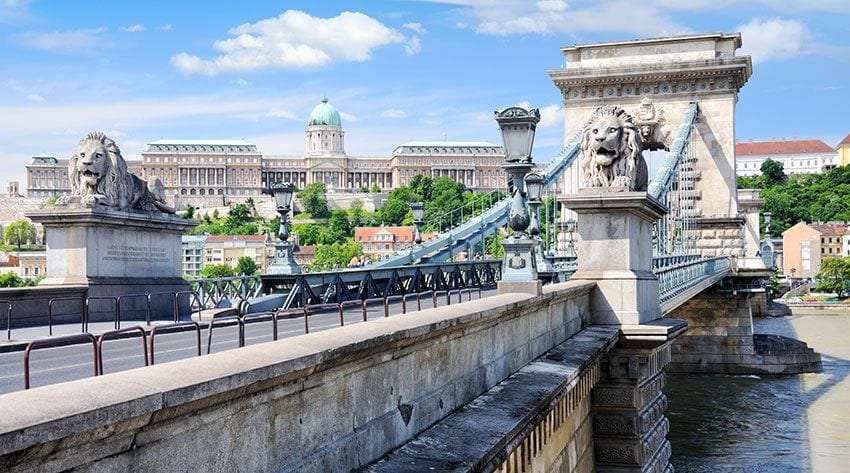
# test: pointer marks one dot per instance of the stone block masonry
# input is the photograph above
(720, 340)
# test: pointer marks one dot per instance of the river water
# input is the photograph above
(768, 424)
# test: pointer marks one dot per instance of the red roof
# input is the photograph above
(845, 141)
(830, 229)
(213, 238)
(363, 234)
(11, 261)
(760, 148)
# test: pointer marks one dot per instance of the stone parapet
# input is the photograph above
(328, 401)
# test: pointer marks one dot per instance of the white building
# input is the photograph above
(796, 156)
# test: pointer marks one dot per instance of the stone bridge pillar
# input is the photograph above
(669, 73)
(615, 244)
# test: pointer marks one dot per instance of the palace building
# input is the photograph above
(196, 169)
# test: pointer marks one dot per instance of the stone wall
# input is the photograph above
(327, 401)
(720, 340)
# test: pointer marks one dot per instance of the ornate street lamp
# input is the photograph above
(284, 262)
(766, 245)
(418, 210)
(534, 183)
(571, 244)
(518, 126)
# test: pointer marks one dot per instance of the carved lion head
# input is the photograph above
(611, 150)
(97, 167)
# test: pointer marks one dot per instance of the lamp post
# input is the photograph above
(418, 210)
(571, 244)
(283, 263)
(534, 184)
(518, 126)
(766, 246)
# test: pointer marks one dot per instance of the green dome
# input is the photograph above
(324, 114)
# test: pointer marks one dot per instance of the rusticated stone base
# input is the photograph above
(630, 430)
(720, 340)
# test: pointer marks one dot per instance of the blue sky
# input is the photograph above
(397, 70)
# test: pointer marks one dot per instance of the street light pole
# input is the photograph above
(519, 268)
(284, 262)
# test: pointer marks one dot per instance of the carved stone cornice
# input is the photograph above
(720, 75)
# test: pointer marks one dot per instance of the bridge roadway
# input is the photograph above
(71, 362)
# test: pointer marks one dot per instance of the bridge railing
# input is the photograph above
(678, 272)
(299, 290)
(213, 292)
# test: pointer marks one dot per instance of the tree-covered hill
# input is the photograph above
(801, 197)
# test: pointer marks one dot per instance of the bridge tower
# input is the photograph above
(655, 80)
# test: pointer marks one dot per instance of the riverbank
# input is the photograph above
(769, 424)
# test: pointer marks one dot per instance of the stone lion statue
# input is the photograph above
(611, 152)
(99, 176)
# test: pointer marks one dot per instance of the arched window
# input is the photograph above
(182, 191)
(192, 192)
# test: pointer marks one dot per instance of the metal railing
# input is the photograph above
(290, 291)
(677, 273)
(214, 292)
(56, 342)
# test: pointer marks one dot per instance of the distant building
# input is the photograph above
(25, 264)
(227, 249)
(193, 254)
(12, 189)
(382, 242)
(806, 245)
(796, 156)
(843, 150)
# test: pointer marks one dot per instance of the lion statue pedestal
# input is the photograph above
(114, 234)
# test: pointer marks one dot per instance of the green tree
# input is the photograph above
(217, 271)
(493, 247)
(314, 199)
(246, 266)
(308, 233)
(252, 206)
(189, 212)
(356, 213)
(19, 232)
(422, 186)
(238, 215)
(339, 223)
(773, 172)
(375, 189)
(834, 276)
(337, 255)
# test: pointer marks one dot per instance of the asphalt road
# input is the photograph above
(67, 363)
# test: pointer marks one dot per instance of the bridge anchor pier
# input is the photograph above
(615, 248)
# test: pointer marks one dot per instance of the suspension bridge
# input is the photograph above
(500, 382)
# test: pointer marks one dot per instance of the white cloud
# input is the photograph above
(137, 28)
(115, 134)
(281, 113)
(413, 46)
(35, 98)
(394, 113)
(548, 17)
(166, 27)
(774, 38)
(552, 5)
(348, 117)
(416, 27)
(12, 11)
(242, 83)
(297, 40)
(67, 42)
(551, 116)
